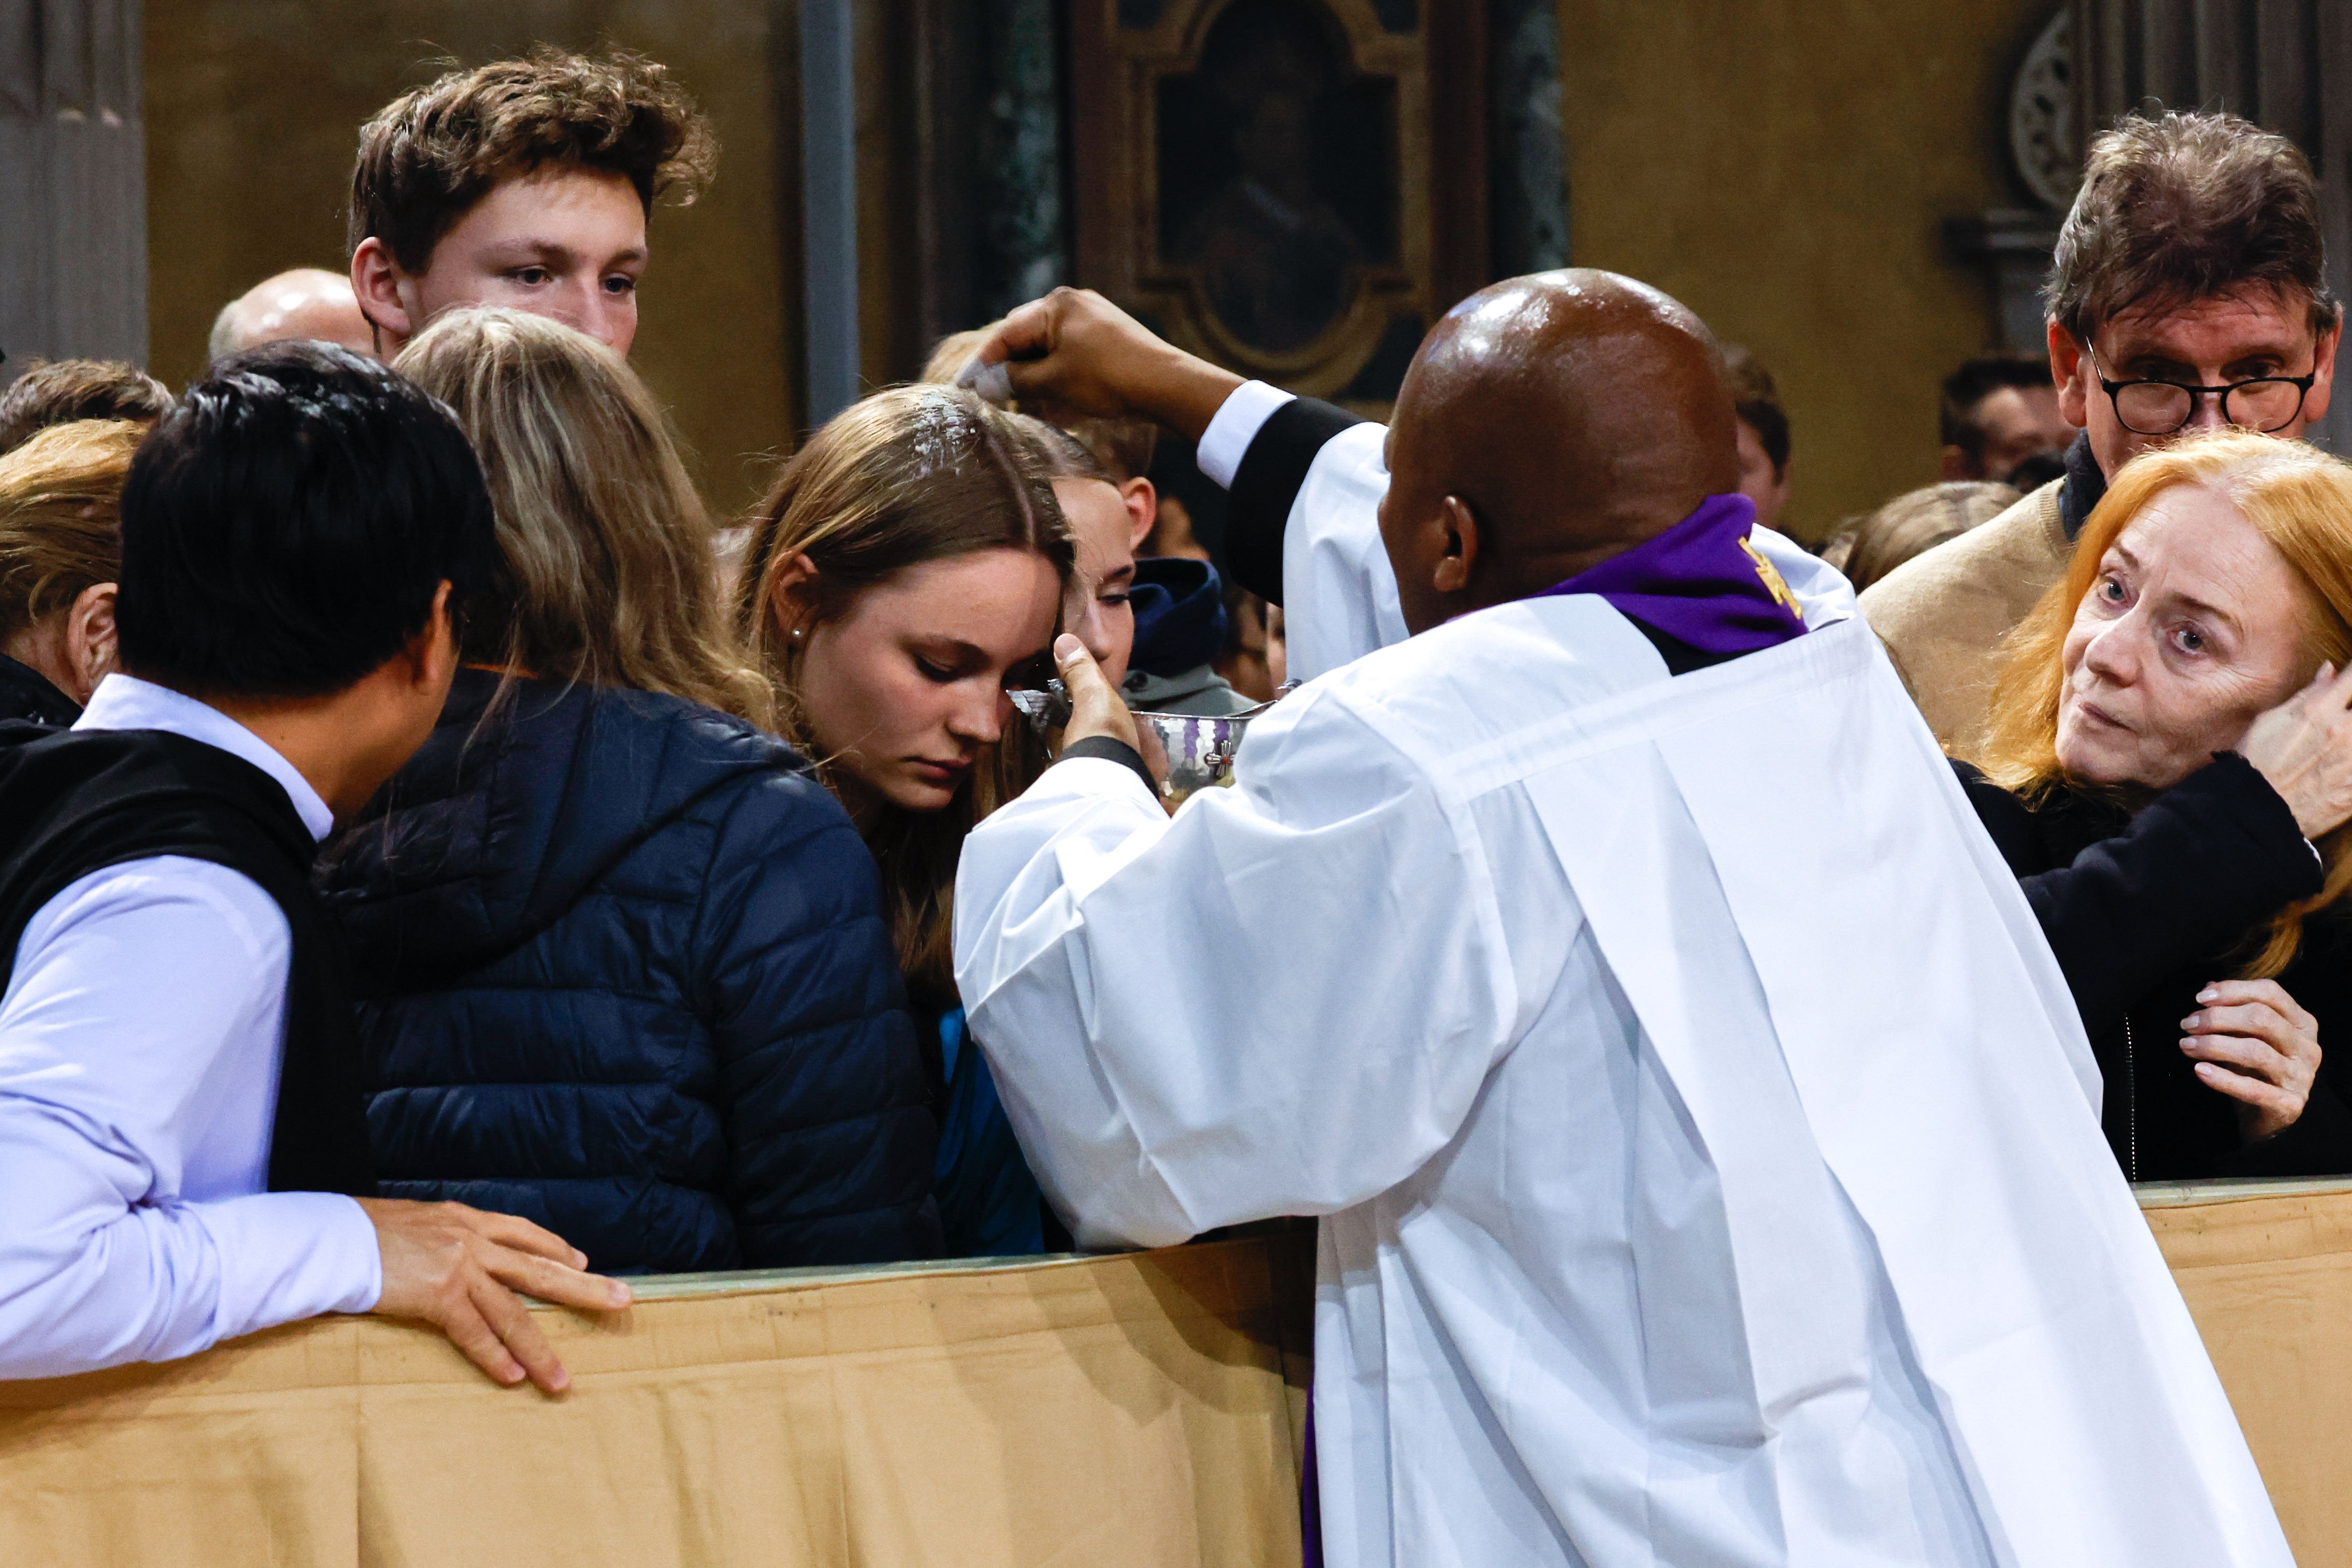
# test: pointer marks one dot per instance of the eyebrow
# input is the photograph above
(2156, 360)
(2195, 604)
(2213, 612)
(553, 250)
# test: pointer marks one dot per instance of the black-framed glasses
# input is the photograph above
(2265, 403)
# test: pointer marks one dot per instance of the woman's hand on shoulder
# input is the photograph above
(2303, 748)
(2254, 1043)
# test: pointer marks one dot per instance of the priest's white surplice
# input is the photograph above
(1708, 1149)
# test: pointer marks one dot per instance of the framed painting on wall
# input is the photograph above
(1292, 188)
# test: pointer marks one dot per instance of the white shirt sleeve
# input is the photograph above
(1171, 1054)
(1234, 425)
(140, 1038)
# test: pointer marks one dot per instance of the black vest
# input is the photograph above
(79, 801)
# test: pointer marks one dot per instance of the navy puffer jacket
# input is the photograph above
(624, 973)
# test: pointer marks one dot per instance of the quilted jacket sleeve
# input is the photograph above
(830, 1137)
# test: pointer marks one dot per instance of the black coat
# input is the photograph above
(623, 972)
(25, 693)
(2144, 912)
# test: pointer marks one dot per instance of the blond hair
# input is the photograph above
(606, 574)
(61, 516)
(1122, 446)
(1915, 523)
(911, 475)
(2298, 499)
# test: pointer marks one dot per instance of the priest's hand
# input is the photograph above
(1074, 353)
(2303, 747)
(1097, 711)
(459, 1269)
(2253, 1042)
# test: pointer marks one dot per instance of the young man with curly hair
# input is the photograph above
(525, 183)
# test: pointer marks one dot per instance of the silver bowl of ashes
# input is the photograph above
(1200, 747)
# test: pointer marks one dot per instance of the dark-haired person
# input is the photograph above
(59, 392)
(181, 1143)
(2189, 292)
(525, 183)
(2000, 411)
(1763, 431)
(60, 547)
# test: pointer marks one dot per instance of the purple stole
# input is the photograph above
(1701, 581)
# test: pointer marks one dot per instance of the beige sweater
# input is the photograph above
(1943, 615)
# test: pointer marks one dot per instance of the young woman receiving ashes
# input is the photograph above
(907, 565)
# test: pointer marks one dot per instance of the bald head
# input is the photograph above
(308, 302)
(1562, 418)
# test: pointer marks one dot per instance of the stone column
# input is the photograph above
(73, 184)
(1528, 155)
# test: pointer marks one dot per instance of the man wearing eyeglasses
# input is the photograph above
(2188, 292)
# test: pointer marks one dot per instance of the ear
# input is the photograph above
(431, 657)
(1143, 501)
(1458, 561)
(378, 281)
(2323, 366)
(2071, 368)
(89, 638)
(1958, 465)
(787, 603)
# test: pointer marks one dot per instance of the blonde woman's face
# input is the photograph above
(904, 690)
(1096, 606)
(2192, 627)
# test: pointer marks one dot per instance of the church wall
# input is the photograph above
(252, 113)
(1785, 170)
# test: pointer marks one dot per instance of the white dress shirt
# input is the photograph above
(140, 1037)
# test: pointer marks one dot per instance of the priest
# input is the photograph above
(1648, 1235)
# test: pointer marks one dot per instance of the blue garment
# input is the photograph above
(1180, 614)
(989, 1203)
(623, 972)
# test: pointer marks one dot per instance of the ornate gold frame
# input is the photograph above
(1114, 77)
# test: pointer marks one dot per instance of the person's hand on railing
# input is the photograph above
(2254, 1043)
(459, 1269)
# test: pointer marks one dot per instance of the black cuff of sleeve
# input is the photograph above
(1272, 472)
(2264, 816)
(2318, 1144)
(1112, 751)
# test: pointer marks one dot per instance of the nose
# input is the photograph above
(2113, 654)
(981, 712)
(584, 307)
(1084, 617)
(2207, 414)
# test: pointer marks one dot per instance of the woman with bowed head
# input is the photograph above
(2168, 772)
(624, 964)
(907, 569)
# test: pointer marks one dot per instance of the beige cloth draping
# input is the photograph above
(1139, 1409)
(1135, 1410)
(2266, 1269)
